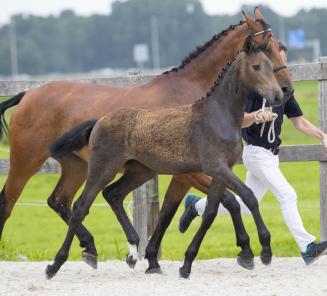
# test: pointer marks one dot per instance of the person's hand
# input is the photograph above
(263, 116)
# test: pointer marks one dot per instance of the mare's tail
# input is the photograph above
(3, 107)
(73, 140)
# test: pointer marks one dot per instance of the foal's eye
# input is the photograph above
(256, 67)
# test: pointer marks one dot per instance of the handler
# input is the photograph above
(260, 157)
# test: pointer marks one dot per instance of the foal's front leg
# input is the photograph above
(245, 193)
(215, 194)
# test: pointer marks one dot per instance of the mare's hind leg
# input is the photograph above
(174, 195)
(73, 174)
(135, 175)
(25, 161)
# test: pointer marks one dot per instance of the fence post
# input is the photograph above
(146, 212)
(322, 89)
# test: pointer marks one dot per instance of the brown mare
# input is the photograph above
(204, 136)
(45, 113)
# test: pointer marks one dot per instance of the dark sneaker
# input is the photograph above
(314, 251)
(190, 212)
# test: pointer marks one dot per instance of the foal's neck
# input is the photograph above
(227, 99)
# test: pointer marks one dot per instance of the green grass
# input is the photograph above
(37, 232)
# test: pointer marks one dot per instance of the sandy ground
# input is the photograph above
(286, 276)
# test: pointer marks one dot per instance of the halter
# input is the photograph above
(252, 35)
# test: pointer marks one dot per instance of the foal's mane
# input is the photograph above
(199, 49)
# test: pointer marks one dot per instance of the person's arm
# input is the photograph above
(250, 118)
(306, 127)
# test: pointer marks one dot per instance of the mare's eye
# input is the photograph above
(256, 67)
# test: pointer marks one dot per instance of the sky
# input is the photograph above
(87, 7)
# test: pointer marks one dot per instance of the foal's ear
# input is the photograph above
(248, 45)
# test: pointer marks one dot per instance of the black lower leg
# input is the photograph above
(246, 194)
(215, 194)
(245, 258)
(166, 215)
(115, 197)
(86, 239)
(78, 214)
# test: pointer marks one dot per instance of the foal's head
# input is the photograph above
(257, 74)
(261, 34)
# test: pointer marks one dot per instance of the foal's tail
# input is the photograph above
(73, 140)
(3, 107)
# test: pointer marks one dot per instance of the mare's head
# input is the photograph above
(261, 35)
(256, 73)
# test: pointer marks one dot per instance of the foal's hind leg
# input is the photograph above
(174, 195)
(135, 175)
(101, 172)
(73, 174)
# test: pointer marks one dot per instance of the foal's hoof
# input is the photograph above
(90, 259)
(131, 261)
(50, 272)
(184, 274)
(153, 270)
(266, 260)
(246, 262)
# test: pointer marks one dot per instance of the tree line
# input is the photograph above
(72, 43)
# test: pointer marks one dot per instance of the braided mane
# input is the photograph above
(219, 78)
(199, 49)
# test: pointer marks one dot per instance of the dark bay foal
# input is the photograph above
(204, 136)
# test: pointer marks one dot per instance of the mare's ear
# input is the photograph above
(258, 15)
(252, 25)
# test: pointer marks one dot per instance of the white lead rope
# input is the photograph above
(271, 132)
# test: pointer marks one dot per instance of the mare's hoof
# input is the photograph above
(184, 274)
(246, 262)
(50, 272)
(131, 261)
(90, 259)
(266, 260)
(152, 270)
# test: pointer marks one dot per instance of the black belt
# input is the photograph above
(274, 151)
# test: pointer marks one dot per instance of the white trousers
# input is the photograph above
(264, 174)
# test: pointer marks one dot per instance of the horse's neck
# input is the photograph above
(227, 100)
(205, 68)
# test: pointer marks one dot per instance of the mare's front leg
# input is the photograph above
(245, 193)
(216, 191)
